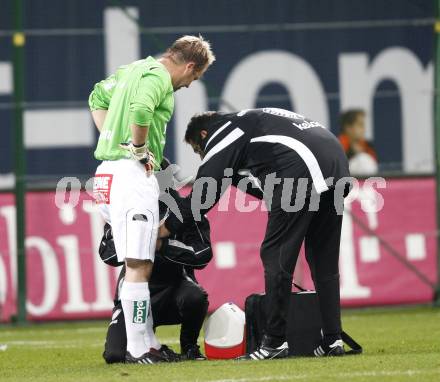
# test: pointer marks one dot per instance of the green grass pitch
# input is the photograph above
(401, 344)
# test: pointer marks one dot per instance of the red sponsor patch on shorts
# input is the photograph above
(102, 185)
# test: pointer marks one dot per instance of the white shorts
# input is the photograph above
(128, 200)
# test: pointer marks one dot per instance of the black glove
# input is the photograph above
(107, 250)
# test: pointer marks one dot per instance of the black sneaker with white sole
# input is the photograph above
(267, 352)
(149, 358)
(328, 350)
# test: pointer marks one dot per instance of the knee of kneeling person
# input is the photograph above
(138, 270)
(197, 299)
(114, 356)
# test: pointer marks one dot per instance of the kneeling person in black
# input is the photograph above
(176, 297)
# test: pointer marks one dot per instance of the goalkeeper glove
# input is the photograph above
(137, 152)
(142, 154)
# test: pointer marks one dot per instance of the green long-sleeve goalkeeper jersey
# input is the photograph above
(140, 93)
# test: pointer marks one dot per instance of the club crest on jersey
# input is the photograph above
(102, 185)
(140, 312)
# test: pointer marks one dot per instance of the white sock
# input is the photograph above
(150, 337)
(135, 299)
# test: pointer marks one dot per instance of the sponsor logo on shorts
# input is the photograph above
(140, 312)
(102, 185)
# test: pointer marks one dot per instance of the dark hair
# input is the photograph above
(198, 123)
(349, 117)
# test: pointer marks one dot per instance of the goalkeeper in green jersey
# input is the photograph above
(131, 109)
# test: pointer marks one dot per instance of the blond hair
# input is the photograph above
(191, 49)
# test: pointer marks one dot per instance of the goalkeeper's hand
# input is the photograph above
(142, 154)
(136, 152)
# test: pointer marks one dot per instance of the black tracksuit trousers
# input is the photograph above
(285, 234)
